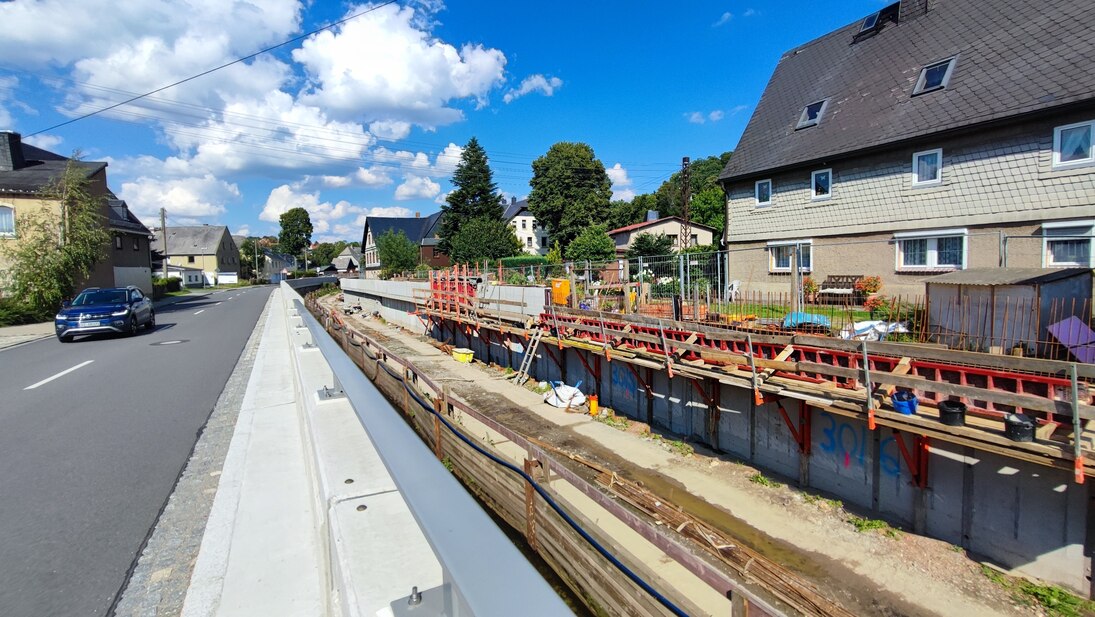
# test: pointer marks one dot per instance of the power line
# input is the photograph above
(217, 68)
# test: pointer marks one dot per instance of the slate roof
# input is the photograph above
(123, 220)
(190, 240)
(342, 261)
(416, 228)
(1007, 276)
(41, 167)
(1014, 57)
(514, 209)
(430, 229)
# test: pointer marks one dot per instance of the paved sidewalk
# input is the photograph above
(16, 335)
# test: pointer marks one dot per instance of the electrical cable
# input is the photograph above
(635, 578)
(217, 68)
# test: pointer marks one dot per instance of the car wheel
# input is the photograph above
(64, 339)
(132, 331)
(151, 325)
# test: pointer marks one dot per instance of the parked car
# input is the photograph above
(97, 310)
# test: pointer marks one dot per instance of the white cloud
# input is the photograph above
(621, 183)
(695, 117)
(417, 187)
(534, 83)
(723, 19)
(716, 115)
(243, 231)
(7, 88)
(750, 13)
(43, 141)
(737, 109)
(390, 129)
(386, 66)
(185, 199)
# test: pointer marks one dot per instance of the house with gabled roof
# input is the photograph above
(669, 226)
(26, 171)
(209, 248)
(348, 261)
(534, 237)
(931, 136)
(420, 230)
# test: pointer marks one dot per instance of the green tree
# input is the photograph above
(475, 196)
(325, 252)
(483, 238)
(247, 258)
(708, 207)
(57, 250)
(570, 190)
(624, 213)
(650, 245)
(296, 231)
(592, 244)
(397, 253)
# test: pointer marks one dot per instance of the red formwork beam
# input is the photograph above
(802, 433)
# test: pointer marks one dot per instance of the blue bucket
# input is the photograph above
(904, 402)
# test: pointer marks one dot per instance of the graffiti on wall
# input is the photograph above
(848, 443)
(624, 384)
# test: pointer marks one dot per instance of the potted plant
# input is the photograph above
(810, 289)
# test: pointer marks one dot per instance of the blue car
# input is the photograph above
(99, 310)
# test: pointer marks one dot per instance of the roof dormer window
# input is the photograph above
(869, 22)
(811, 114)
(934, 76)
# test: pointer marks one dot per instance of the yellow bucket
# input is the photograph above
(593, 404)
(463, 354)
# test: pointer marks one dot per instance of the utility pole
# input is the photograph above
(163, 232)
(686, 194)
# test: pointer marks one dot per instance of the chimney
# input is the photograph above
(11, 151)
(417, 215)
(911, 9)
(513, 201)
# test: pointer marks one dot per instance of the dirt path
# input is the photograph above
(878, 571)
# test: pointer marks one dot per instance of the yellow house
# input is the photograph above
(209, 248)
(25, 171)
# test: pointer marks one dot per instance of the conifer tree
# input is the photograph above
(475, 196)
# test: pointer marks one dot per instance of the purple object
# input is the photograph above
(1079, 339)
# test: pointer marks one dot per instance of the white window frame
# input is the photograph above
(1090, 160)
(916, 182)
(1047, 238)
(932, 236)
(9, 234)
(772, 268)
(756, 193)
(920, 89)
(813, 179)
(803, 119)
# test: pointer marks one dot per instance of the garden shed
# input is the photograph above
(1042, 311)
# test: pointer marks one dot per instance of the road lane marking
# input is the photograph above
(61, 374)
(200, 312)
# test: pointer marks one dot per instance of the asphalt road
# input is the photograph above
(88, 457)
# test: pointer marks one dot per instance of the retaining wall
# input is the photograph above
(394, 300)
(1020, 515)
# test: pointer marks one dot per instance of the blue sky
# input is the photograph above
(368, 118)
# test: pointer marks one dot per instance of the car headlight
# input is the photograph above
(124, 311)
(60, 317)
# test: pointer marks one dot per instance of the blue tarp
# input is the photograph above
(799, 319)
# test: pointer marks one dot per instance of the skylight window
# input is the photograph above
(934, 76)
(811, 114)
(870, 22)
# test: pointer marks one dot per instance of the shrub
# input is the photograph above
(810, 286)
(519, 261)
(13, 313)
(868, 284)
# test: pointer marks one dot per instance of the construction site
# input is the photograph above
(717, 463)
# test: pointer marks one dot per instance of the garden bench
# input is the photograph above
(837, 286)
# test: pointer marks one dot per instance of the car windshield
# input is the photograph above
(101, 296)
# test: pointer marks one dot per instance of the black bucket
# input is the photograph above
(952, 413)
(1019, 427)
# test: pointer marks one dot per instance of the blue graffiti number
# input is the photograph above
(849, 445)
